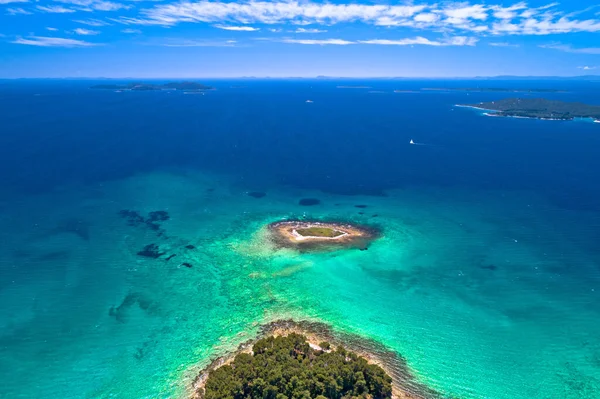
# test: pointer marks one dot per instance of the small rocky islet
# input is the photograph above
(306, 236)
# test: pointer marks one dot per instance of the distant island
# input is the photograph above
(185, 86)
(538, 108)
(291, 367)
(307, 236)
(353, 87)
(494, 90)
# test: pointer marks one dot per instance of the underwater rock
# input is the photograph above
(309, 201)
(130, 300)
(133, 218)
(489, 267)
(152, 221)
(151, 251)
(361, 213)
(54, 256)
(374, 215)
(360, 206)
(256, 194)
(190, 246)
(75, 226)
(186, 264)
(168, 258)
(158, 216)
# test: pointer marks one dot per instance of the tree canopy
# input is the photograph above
(288, 368)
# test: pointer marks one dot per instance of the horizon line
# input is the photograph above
(304, 77)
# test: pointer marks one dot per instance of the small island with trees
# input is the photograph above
(289, 367)
(307, 235)
(538, 108)
(184, 86)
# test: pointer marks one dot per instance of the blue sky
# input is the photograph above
(191, 38)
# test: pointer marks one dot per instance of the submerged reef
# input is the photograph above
(321, 236)
(256, 194)
(152, 221)
(151, 251)
(132, 299)
(309, 201)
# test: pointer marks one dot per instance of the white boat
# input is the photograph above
(412, 142)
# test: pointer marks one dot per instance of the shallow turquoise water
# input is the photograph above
(474, 288)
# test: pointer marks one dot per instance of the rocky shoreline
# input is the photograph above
(404, 384)
(286, 234)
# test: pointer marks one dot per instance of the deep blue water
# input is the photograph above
(486, 278)
(348, 141)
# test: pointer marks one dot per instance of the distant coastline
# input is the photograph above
(537, 108)
(493, 90)
(139, 86)
(353, 87)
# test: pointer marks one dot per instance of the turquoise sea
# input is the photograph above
(486, 280)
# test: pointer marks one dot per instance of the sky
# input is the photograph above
(221, 39)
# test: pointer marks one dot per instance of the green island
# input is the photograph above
(319, 232)
(185, 86)
(494, 90)
(289, 367)
(539, 108)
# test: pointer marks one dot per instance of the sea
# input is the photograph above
(132, 245)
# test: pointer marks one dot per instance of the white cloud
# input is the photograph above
(131, 31)
(237, 28)
(453, 41)
(570, 49)
(503, 44)
(460, 12)
(508, 12)
(51, 29)
(55, 9)
(95, 5)
(86, 32)
(13, 1)
(587, 68)
(42, 41)
(92, 22)
(275, 30)
(427, 17)
(198, 43)
(457, 17)
(17, 11)
(303, 30)
(419, 40)
(322, 42)
(293, 12)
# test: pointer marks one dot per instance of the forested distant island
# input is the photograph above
(186, 86)
(494, 89)
(539, 108)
